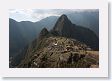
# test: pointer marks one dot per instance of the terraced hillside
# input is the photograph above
(60, 52)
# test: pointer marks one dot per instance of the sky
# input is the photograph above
(35, 15)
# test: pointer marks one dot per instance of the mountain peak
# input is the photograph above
(63, 19)
(63, 16)
(63, 25)
(44, 32)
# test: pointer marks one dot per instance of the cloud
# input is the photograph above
(37, 14)
(40, 14)
(30, 14)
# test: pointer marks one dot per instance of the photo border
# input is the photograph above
(102, 71)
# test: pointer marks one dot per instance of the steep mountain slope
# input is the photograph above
(65, 46)
(23, 33)
(89, 19)
(47, 22)
(20, 34)
(65, 28)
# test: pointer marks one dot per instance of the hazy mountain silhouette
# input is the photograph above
(22, 33)
(89, 19)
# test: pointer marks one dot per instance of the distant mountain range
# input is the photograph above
(23, 33)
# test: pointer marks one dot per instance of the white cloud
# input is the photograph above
(37, 14)
(30, 14)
